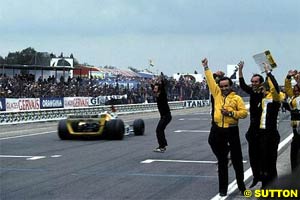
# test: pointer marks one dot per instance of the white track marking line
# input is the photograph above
(28, 135)
(27, 157)
(181, 161)
(36, 157)
(55, 156)
(233, 186)
(178, 161)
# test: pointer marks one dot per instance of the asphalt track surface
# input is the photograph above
(36, 165)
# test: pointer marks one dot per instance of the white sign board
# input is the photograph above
(264, 57)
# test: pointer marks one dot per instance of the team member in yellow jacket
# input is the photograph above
(294, 106)
(269, 137)
(224, 136)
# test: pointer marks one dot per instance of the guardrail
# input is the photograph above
(9, 117)
(17, 117)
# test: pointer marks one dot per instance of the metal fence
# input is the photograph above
(9, 117)
(17, 117)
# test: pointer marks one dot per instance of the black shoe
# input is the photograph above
(254, 183)
(242, 191)
(242, 188)
(223, 194)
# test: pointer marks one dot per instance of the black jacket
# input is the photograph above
(255, 103)
(162, 101)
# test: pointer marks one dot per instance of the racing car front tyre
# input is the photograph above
(138, 127)
(115, 129)
(63, 132)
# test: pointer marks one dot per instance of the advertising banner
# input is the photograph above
(12, 104)
(101, 100)
(97, 101)
(47, 103)
(196, 103)
(2, 104)
(29, 104)
(75, 102)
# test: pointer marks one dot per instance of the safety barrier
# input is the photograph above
(18, 117)
(9, 117)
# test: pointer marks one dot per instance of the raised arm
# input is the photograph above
(243, 84)
(274, 87)
(212, 85)
(272, 78)
(288, 83)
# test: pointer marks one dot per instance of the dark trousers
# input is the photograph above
(254, 152)
(160, 130)
(295, 150)
(223, 140)
(268, 145)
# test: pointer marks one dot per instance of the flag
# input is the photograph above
(151, 63)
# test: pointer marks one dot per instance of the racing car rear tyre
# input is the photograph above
(63, 132)
(138, 127)
(115, 129)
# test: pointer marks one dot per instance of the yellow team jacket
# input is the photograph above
(270, 115)
(232, 102)
(294, 100)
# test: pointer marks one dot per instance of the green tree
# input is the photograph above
(25, 57)
(2, 61)
(28, 56)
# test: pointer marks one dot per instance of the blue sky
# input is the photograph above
(175, 34)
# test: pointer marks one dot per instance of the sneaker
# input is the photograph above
(160, 150)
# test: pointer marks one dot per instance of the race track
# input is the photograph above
(36, 165)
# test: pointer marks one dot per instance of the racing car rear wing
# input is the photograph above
(83, 116)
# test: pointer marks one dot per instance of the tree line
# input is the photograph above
(30, 56)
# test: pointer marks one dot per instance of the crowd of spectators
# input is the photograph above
(137, 89)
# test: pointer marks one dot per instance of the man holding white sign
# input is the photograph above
(252, 134)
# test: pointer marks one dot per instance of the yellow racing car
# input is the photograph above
(103, 126)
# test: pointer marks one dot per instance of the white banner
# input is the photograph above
(101, 100)
(12, 104)
(22, 104)
(75, 102)
(29, 104)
